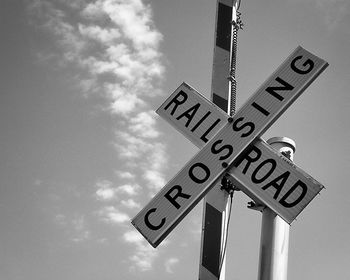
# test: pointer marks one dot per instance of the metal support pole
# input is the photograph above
(216, 207)
(274, 242)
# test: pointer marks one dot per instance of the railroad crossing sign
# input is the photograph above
(235, 149)
(251, 165)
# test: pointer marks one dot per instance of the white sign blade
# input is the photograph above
(271, 179)
(185, 190)
(197, 118)
(267, 188)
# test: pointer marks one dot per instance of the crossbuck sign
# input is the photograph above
(236, 149)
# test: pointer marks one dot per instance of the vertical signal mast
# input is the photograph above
(216, 208)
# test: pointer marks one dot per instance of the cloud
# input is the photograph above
(133, 237)
(81, 233)
(155, 180)
(143, 125)
(131, 204)
(130, 146)
(150, 157)
(128, 189)
(144, 254)
(105, 194)
(75, 227)
(114, 48)
(124, 174)
(153, 172)
(169, 264)
(112, 215)
(135, 20)
(53, 19)
(127, 50)
(102, 35)
(128, 44)
(126, 104)
(158, 157)
(76, 4)
(105, 190)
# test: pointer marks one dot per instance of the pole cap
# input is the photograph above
(282, 140)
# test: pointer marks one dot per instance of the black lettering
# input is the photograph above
(189, 114)
(149, 224)
(176, 101)
(216, 150)
(285, 86)
(309, 63)
(292, 189)
(247, 124)
(277, 183)
(260, 109)
(179, 193)
(200, 121)
(203, 137)
(268, 173)
(249, 157)
(195, 177)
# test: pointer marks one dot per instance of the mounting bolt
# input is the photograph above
(230, 119)
(224, 164)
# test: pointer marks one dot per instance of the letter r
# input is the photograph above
(251, 156)
(179, 99)
(179, 193)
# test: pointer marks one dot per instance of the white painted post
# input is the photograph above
(274, 242)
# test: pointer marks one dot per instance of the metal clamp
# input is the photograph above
(255, 206)
(227, 185)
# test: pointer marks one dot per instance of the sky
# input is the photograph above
(83, 150)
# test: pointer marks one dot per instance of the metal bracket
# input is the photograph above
(227, 185)
(287, 154)
(254, 206)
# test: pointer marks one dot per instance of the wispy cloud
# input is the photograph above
(124, 174)
(115, 46)
(128, 189)
(75, 227)
(144, 254)
(106, 190)
(114, 37)
(81, 232)
(102, 35)
(143, 124)
(112, 215)
(131, 204)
